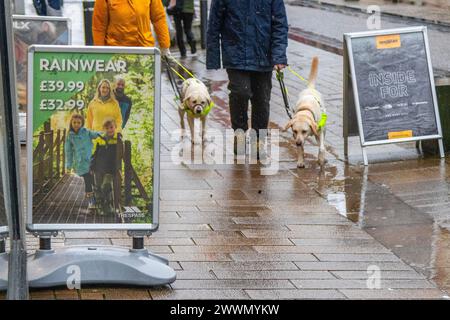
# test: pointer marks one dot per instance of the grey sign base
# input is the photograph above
(97, 265)
(4, 258)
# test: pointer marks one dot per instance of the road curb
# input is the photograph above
(315, 4)
(315, 40)
(334, 45)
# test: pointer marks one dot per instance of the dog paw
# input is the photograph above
(300, 165)
(180, 138)
(322, 161)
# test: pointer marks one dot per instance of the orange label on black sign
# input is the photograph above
(400, 134)
(388, 41)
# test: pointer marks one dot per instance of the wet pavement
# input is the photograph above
(232, 233)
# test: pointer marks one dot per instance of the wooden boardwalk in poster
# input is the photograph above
(66, 204)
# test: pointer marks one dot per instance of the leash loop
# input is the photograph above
(183, 67)
(284, 92)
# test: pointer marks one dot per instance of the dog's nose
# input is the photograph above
(299, 143)
(198, 111)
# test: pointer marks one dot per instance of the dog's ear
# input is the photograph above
(185, 100)
(288, 125)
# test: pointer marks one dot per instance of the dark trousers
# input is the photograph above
(108, 182)
(250, 86)
(88, 182)
(183, 24)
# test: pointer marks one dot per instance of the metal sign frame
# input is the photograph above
(17, 17)
(17, 264)
(4, 229)
(348, 42)
(156, 141)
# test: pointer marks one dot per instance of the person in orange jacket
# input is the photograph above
(127, 23)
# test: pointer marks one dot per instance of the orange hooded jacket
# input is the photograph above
(127, 23)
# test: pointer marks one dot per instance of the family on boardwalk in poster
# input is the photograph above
(92, 137)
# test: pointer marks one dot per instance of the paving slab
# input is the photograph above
(394, 294)
(350, 266)
(198, 294)
(362, 284)
(295, 294)
(240, 266)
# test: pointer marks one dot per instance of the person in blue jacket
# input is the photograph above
(251, 37)
(48, 7)
(78, 151)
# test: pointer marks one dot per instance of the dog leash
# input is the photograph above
(174, 86)
(284, 92)
(182, 67)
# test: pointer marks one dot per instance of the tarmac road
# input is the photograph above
(333, 24)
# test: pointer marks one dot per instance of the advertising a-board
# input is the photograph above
(91, 146)
(394, 86)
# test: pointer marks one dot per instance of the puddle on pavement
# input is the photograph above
(364, 195)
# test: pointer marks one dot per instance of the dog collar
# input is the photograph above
(204, 112)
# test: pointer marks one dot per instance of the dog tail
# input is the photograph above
(313, 72)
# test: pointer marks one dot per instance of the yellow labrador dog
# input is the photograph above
(308, 114)
(195, 102)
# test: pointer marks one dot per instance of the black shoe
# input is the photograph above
(261, 154)
(261, 151)
(183, 54)
(239, 145)
(193, 47)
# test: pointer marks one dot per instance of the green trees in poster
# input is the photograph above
(139, 79)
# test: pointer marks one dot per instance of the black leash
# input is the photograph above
(284, 92)
(175, 88)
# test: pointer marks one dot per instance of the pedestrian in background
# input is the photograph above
(48, 7)
(251, 37)
(183, 15)
(127, 23)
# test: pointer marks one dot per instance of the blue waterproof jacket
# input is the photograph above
(251, 34)
(41, 6)
(78, 149)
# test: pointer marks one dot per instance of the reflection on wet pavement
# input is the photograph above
(401, 199)
(404, 205)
